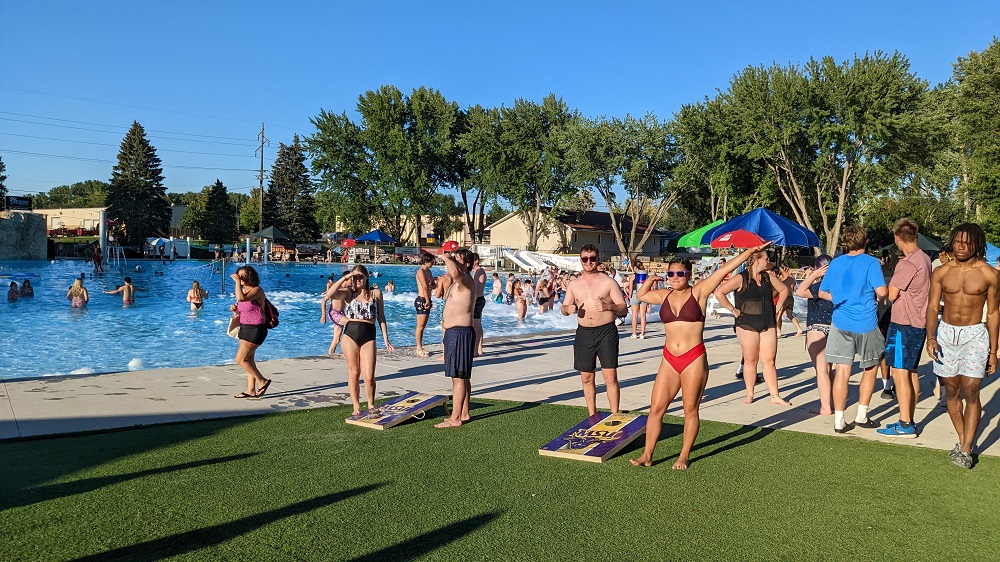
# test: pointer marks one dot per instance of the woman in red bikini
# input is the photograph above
(684, 365)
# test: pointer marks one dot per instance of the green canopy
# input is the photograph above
(693, 239)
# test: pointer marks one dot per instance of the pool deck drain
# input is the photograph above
(530, 368)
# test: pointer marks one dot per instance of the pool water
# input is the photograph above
(44, 336)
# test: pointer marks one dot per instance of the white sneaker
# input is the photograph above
(642, 336)
(634, 336)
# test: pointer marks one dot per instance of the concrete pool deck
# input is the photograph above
(532, 368)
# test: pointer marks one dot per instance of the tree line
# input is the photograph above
(826, 143)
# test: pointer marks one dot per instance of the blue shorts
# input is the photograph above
(903, 346)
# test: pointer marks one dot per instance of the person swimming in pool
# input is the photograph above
(685, 364)
(128, 292)
(196, 296)
(77, 294)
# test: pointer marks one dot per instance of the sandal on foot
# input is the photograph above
(243, 395)
(263, 389)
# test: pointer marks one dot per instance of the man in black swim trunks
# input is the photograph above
(422, 304)
(479, 276)
(459, 335)
(596, 299)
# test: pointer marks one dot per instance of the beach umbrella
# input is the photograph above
(738, 239)
(693, 239)
(449, 246)
(378, 237)
(347, 243)
(769, 226)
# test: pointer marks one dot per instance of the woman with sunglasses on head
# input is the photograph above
(364, 307)
(760, 297)
(253, 329)
(685, 363)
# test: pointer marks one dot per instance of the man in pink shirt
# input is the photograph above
(909, 290)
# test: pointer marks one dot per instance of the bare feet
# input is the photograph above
(465, 419)
(355, 412)
(776, 399)
(448, 423)
(421, 352)
(641, 461)
(799, 333)
(748, 399)
(681, 464)
(439, 358)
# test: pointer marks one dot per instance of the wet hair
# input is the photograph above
(128, 279)
(426, 257)
(822, 261)
(684, 262)
(976, 236)
(195, 285)
(907, 229)
(590, 248)
(13, 285)
(252, 280)
(855, 238)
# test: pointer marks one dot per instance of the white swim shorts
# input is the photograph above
(962, 350)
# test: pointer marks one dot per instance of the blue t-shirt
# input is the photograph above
(851, 281)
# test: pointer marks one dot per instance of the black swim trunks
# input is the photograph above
(477, 312)
(543, 300)
(198, 304)
(593, 343)
(253, 333)
(459, 350)
(421, 305)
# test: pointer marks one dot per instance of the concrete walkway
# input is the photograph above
(534, 368)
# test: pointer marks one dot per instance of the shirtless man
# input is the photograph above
(962, 347)
(422, 304)
(459, 335)
(508, 289)
(479, 276)
(596, 300)
(127, 290)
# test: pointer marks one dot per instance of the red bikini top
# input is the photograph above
(690, 312)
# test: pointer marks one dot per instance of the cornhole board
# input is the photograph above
(397, 411)
(597, 438)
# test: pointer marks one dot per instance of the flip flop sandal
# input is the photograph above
(243, 395)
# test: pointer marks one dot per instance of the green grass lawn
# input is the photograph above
(305, 486)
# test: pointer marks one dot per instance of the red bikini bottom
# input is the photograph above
(680, 362)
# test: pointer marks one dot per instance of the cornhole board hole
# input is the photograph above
(397, 411)
(597, 438)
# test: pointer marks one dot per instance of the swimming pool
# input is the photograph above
(45, 337)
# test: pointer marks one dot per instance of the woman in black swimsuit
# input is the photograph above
(364, 307)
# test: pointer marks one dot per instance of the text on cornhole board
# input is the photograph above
(597, 438)
(397, 411)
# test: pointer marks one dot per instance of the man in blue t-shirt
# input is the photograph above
(854, 282)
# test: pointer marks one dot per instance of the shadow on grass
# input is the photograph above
(422, 544)
(52, 491)
(191, 541)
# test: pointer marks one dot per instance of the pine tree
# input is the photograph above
(289, 203)
(3, 179)
(220, 216)
(136, 196)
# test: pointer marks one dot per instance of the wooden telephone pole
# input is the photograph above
(260, 177)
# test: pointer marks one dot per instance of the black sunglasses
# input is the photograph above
(676, 273)
(588, 259)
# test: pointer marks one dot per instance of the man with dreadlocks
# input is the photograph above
(964, 350)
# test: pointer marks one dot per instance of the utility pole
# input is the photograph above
(260, 176)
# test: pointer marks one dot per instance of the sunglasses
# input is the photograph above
(681, 274)
(586, 259)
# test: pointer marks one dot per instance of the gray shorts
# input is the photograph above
(842, 346)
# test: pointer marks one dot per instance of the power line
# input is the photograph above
(118, 132)
(115, 145)
(138, 107)
(119, 126)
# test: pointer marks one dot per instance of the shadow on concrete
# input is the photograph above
(44, 493)
(191, 541)
(425, 543)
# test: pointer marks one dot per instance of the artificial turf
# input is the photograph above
(305, 486)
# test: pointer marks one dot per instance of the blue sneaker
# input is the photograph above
(897, 430)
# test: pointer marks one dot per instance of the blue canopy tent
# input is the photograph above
(378, 237)
(992, 254)
(767, 225)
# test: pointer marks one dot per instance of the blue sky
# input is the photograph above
(202, 76)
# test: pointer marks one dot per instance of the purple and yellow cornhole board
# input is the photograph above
(597, 438)
(397, 411)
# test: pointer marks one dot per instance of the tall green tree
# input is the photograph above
(136, 195)
(211, 214)
(89, 193)
(345, 175)
(827, 131)
(3, 178)
(290, 204)
(977, 105)
(478, 187)
(249, 212)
